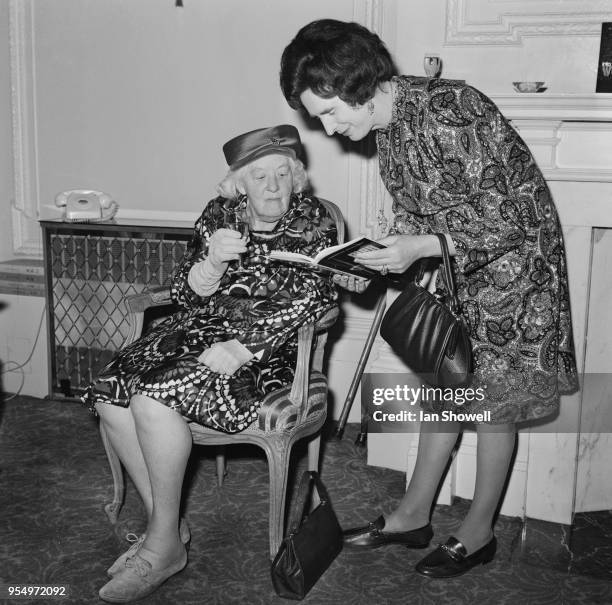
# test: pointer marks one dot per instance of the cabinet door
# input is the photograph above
(593, 485)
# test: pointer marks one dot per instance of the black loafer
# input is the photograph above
(451, 559)
(372, 536)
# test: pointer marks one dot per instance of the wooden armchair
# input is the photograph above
(286, 415)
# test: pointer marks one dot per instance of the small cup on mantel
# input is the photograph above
(528, 86)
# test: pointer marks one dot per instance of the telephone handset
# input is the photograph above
(86, 205)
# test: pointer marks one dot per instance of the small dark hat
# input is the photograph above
(252, 145)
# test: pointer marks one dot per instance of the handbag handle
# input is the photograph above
(449, 278)
(310, 481)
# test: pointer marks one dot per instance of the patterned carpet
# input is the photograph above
(55, 481)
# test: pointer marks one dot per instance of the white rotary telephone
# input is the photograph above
(86, 206)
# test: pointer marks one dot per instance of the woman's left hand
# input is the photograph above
(225, 357)
(400, 253)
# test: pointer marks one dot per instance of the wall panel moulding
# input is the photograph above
(507, 22)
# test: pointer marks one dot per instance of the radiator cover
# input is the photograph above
(89, 270)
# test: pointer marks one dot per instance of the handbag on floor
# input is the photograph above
(430, 334)
(313, 541)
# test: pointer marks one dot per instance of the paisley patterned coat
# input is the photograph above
(261, 305)
(454, 164)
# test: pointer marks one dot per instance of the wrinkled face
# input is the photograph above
(338, 116)
(268, 184)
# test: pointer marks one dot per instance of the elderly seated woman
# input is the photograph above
(216, 359)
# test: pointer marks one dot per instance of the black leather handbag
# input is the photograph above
(313, 541)
(430, 334)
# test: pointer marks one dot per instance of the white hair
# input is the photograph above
(228, 187)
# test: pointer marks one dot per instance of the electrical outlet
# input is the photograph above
(18, 350)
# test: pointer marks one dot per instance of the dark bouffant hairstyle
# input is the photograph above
(334, 58)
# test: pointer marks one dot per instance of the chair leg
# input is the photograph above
(278, 465)
(221, 468)
(314, 446)
(112, 509)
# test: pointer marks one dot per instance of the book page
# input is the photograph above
(294, 257)
(335, 259)
(357, 244)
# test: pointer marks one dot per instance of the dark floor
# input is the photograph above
(55, 481)
(591, 544)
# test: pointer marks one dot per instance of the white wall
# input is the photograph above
(23, 345)
(6, 147)
(136, 98)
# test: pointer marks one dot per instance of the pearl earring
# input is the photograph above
(371, 107)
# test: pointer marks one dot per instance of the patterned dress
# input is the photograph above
(453, 164)
(261, 306)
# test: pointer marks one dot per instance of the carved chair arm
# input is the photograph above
(152, 297)
(137, 304)
(301, 379)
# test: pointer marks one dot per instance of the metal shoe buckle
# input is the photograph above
(453, 554)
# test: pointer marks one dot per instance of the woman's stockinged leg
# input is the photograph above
(121, 431)
(165, 440)
(494, 452)
(435, 447)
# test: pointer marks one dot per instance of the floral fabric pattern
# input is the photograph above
(453, 164)
(261, 305)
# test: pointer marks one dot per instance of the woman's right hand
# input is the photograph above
(224, 246)
(400, 252)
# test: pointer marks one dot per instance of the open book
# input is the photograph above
(335, 259)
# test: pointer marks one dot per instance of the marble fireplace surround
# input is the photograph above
(561, 471)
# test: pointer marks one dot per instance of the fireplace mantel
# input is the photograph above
(556, 107)
(570, 135)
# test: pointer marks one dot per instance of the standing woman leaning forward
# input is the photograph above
(453, 165)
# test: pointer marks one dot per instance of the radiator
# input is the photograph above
(89, 270)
